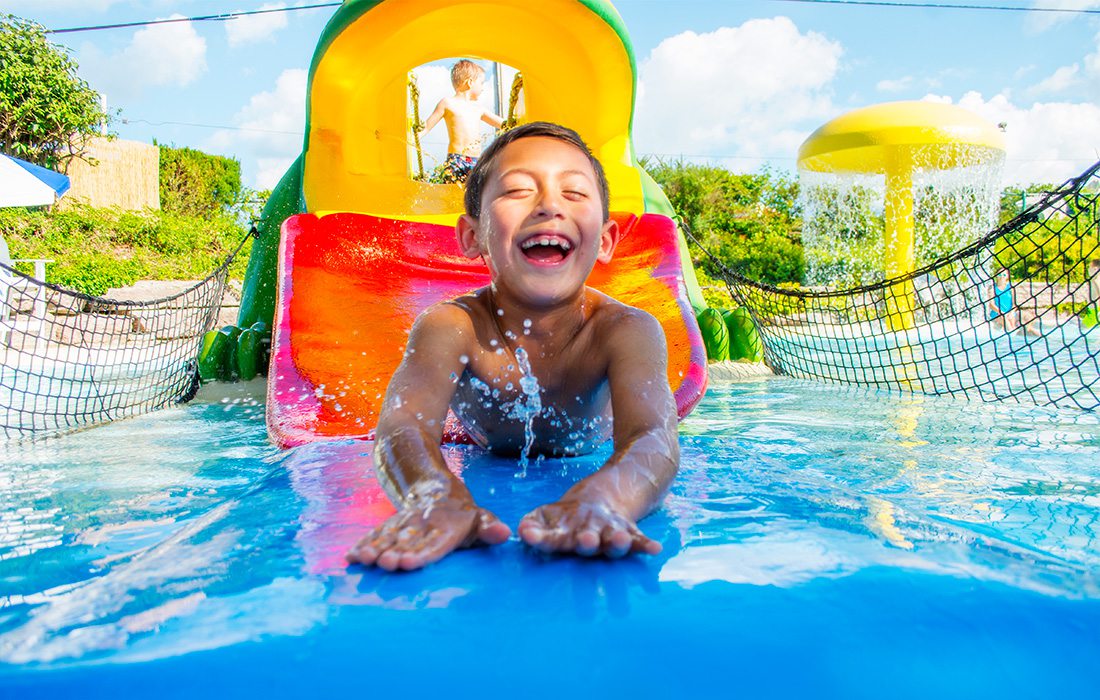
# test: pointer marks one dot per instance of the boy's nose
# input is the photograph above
(550, 202)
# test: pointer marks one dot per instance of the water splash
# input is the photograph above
(843, 215)
(526, 406)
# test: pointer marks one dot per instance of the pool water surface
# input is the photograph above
(819, 541)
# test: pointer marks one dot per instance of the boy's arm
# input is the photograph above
(435, 512)
(492, 119)
(434, 117)
(598, 514)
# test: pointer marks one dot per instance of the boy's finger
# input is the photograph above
(587, 542)
(426, 553)
(366, 550)
(617, 542)
(645, 545)
(490, 528)
(388, 560)
(534, 531)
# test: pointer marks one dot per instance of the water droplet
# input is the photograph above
(464, 359)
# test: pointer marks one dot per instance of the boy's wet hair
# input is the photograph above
(484, 166)
(465, 70)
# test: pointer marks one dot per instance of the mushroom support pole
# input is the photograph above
(898, 237)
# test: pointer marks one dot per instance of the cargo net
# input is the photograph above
(950, 327)
(70, 360)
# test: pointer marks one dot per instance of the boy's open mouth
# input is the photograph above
(546, 248)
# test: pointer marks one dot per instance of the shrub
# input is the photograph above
(96, 249)
(751, 223)
(194, 183)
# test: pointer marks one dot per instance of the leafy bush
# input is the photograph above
(194, 183)
(96, 249)
(1056, 249)
(751, 223)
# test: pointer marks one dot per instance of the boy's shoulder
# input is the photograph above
(612, 318)
(459, 313)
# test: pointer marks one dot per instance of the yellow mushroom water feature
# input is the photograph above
(898, 139)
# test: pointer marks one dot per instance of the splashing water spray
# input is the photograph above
(526, 407)
(938, 168)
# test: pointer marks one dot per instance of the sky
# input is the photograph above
(739, 84)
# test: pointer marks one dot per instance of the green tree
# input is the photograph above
(750, 222)
(47, 113)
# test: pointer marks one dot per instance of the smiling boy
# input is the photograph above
(537, 214)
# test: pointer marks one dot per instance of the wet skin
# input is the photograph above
(541, 231)
(463, 115)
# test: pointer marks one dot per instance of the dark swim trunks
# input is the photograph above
(456, 168)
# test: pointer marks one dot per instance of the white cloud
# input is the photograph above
(1046, 142)
(1041, 21)
(894, 85)
(752, 91)
(158, 56)
(1061, 79)
(1092, 69)
(269, 132)
(255, 28)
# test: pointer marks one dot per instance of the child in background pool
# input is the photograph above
(537, 214)
(463, 114)
(1002, 307)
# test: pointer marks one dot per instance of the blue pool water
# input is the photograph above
(820, 541)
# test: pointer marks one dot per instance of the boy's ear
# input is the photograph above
(466, 231)
(609, 238)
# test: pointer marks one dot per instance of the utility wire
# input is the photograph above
(226, 16)
(223, 17)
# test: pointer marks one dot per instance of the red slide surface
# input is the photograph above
(350, 286)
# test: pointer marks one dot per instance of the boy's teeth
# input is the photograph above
(564, 245)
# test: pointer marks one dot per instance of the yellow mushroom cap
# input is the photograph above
(868, 140)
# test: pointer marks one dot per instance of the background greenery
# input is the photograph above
(47, 112)
(205, 212)
(750, 222)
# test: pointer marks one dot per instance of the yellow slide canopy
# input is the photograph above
(578, 69)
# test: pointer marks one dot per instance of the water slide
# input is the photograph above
(366, 246)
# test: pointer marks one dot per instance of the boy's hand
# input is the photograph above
(586, 528)
(415, 537)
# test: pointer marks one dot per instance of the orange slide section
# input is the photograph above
(350, 286)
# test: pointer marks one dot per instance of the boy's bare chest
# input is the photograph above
(565, 400)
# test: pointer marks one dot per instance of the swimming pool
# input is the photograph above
(820, 540)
